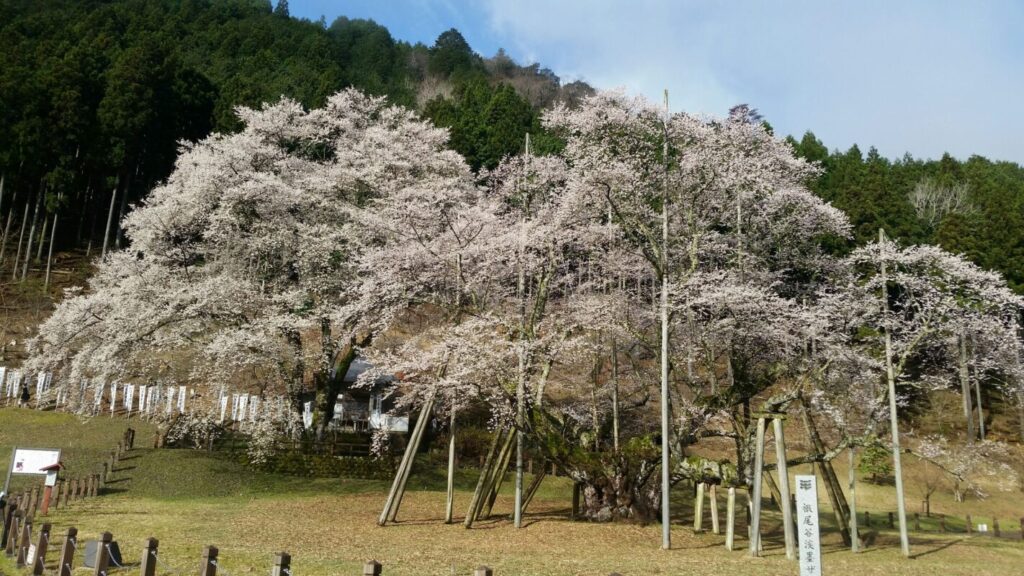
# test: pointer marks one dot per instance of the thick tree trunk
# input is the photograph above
(329, 382)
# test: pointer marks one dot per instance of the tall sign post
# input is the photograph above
(808, 529)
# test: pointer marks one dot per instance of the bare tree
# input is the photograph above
(932, 200)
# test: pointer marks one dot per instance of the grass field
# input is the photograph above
(190, 499)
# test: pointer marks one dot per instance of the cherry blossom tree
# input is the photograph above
(247, 260)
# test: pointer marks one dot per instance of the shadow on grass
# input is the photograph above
(942, 546)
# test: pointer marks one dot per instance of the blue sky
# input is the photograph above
(918, 76)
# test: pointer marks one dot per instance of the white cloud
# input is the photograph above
(918, 76)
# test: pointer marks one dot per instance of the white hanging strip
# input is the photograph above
(129, 396)
(170, 398)
(223, 407)
(182, 391)
(113, 398)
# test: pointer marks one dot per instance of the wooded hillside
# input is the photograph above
(95, 97)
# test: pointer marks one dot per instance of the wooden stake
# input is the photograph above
(787, 511)
(730, 518)
(150, 550)
(65, 566)
(39, 562)
(698, 509)
(755, 497)
(209, 565)
(713, 501)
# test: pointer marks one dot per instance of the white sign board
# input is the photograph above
(807, 525)
(29, 461)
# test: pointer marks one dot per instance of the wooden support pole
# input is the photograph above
(150, 550)
(854, 532)
(282, 565)
(390, 505)
(730, 518)
(39, 562)
(103, 554)
(372, 568)
(478, 493)
(698, 509)
(449, 504)
(784, 500)
(65, 566)
(209, 564)
(713, 502)
(499, 473)
(755, 516)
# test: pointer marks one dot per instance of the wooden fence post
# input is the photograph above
(103, 554)
(93, 486)
(867, 519)
(103, 475)
(995, 527)
(12, 533)
(67, 553)
(917, 521)
(12, 508)
(483, 571)
(24, 540)
(970, 525)
(33, 500)
(39, 563)
(891, 523)
(942, 523)
(209, 566)
(372, 568)
(149, 556)
(282, 565)
(1022, 528)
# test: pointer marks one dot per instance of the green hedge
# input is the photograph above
(300, 464)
